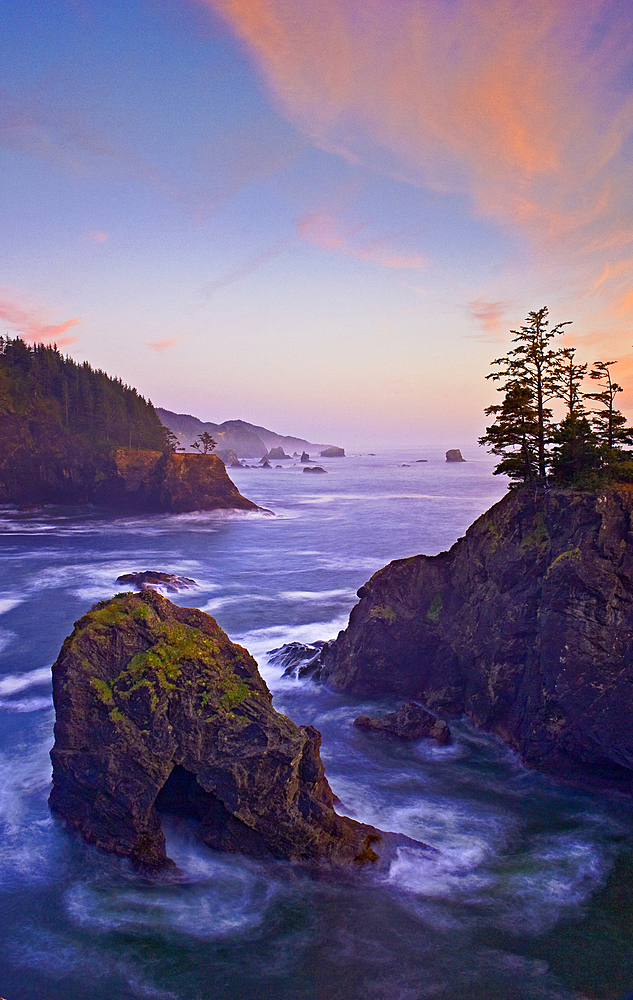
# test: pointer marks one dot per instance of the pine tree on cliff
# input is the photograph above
(531, 376)
(609, 424)
(513, 434)
(576, 458)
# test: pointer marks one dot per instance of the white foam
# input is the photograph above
(7, 603)
(317, 595)
(12, 683)
(6, 638)
(25, 704)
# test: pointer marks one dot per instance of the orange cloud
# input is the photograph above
(31, 323)
(517, 103)
(162, 345)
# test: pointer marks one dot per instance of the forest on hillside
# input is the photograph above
(38, 382)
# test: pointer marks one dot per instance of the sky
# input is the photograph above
(322, 216)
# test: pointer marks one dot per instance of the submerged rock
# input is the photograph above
(410, 722)
(300, 659)
(151, 578)
(525, 625)
(157, 710)
(314, 468)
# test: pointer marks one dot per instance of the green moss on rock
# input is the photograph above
(157, 689)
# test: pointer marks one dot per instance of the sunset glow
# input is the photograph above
(322, 216)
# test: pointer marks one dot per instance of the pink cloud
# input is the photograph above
(32, 324)
(162, 345)
(98, 236)
(488, 314)
(518, 104)
(325, 230)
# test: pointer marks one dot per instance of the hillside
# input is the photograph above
(71, 434)
(248, 440)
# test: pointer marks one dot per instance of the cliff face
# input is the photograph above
(150, 481)
(526, 625)
(40, 462)
(158, 711)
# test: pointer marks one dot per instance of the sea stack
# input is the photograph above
(525, 625)
(454, 455)
(158, 711)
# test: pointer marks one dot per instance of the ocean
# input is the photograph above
(528, 893)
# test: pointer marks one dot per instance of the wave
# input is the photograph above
(7, 603)
(12, 683)
(315, 596)
(6, 638)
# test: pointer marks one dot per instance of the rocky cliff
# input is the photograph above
(157, 711)
(526, 625)
(150, 481)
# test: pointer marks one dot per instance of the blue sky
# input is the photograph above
(323, 216)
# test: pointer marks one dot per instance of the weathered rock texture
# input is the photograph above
(526, 625)
(158, 710)
(150, 481)
(410, 722)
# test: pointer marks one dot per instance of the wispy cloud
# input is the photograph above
(97, 236)
(488, 314)
(32, 323)
(249, 267)
(325, 230)
(520, 104)
(162, 345)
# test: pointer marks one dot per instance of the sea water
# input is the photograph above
(527, 893)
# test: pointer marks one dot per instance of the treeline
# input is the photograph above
(589, 446)
(99, 409)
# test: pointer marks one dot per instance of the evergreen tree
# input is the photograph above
(531, 374)
(204, 443)
(513, 434)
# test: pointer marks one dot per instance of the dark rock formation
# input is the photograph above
(276, 454)
(314, 468)
(228, 456)
(454, 455)
(304, 457)
(410, 722)
(158, 711)
(150, 578)
(149, 481)
(300, 659)
(332, 452)
(526, 625)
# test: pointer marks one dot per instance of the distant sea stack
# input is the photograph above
(454, 455)
(525, 625)
(332, 453)
(159, 712)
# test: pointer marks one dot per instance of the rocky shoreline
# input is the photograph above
(525, 625)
